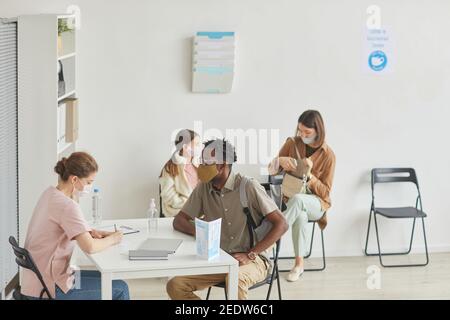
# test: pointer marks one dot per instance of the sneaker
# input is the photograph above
(294, 274)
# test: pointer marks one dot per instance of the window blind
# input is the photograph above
(8, 150)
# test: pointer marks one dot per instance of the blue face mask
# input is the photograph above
(309, 140)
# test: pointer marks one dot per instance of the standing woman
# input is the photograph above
(179, 176)
(317, 156)
(56, 224)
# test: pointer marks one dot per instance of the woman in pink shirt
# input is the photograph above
(56, 224)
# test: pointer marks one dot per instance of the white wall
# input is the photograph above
(134, 80)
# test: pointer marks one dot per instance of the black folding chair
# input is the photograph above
(277, 181)
(269, 279)
(396, 175)
(24, 260)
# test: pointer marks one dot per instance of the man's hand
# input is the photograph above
(242, 258)
(184, 223)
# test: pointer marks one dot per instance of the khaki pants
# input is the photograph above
(182, 288)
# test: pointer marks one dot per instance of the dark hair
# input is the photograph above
(313, 119)
(80, 164)
(183, 137)
(221, 145)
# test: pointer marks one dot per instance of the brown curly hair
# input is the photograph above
(80, 164)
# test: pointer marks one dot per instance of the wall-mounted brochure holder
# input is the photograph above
(213, 62)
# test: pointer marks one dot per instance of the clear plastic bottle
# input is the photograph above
(96, 207)
(152, 214)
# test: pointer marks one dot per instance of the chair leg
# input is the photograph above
(388, 253)
(310, 251)
(367, 235)
(425, 241)
(271, 282)
(278, 284)
(324, 265)
(209, 291)
(311, 242)
(401, 265)
(285, 258)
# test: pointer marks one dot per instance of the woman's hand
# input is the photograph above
(308, 162)
(97, 234)
(116, 237)
(288, 163)
(90, 244)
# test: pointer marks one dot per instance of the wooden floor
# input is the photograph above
(344, 278)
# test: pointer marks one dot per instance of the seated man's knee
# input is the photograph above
(174, 286)
(243, 285)
(171, 287)
(242, 290)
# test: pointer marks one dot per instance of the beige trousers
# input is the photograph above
(182, 288)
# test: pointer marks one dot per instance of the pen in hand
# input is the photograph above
(115, 228)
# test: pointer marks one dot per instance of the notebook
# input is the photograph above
(157, 244)
(148, 255)
(124, 229)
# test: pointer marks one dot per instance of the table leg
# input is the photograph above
(106, 286)
(233, 279)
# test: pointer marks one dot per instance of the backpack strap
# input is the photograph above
(251, 225)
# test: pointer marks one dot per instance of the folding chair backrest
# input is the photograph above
(23, 257)
(393, 175)
(24, 260)
(276, 180)
(274, 192)
(271, 191)
(161, 214)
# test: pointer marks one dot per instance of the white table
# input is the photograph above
(113, 262)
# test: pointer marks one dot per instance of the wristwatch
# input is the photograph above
(252, 255)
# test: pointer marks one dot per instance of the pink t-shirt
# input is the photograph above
(56, 221)
(191, 174)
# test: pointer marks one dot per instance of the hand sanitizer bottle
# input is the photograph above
(152, 215)
(96, 207)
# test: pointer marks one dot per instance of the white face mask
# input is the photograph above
(86, 190)
(309, 140)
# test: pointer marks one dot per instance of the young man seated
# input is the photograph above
(218, 196)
